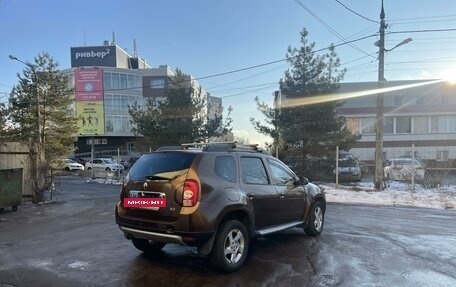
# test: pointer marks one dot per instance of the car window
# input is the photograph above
(97, 161)
(159, 163)
(281, 174)
(253, 171)
(348, 162)
(406, 161)
(225, 167)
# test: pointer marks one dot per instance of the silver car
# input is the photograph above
(403, 169)
(105, 164)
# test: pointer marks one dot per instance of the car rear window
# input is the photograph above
(156, 163)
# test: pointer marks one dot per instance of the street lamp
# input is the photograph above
(36, 94)
(379, 119)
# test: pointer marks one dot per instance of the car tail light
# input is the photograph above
(122, 191)
(190, 194)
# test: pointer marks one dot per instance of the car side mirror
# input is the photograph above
(303, 181)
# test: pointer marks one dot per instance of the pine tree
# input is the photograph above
(41, 113)
(182, 118)
(315, 129)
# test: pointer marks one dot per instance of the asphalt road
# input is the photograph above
(75, 242)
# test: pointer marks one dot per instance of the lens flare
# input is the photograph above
(306, 101)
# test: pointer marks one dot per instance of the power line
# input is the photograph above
(356, 13)
(423, 31)
(421, 22)
(245, 92)
(331, 30)
(426, 17)
(237, 70)
(247, 87)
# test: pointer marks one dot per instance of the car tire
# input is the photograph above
(316, 220)
(148, 246)
(230, 247)
(89, 168)
(108, 169)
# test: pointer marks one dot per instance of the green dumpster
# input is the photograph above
(10, 188)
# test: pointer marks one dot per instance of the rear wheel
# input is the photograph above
(230, 246)
(316, 220)
(148, 246)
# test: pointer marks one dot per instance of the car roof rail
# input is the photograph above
(215, 146)
(233, 146)
(170, 147)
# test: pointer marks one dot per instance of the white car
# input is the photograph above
(70, 164)
(402, 169)
(105, 164)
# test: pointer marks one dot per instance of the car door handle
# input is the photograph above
(250, 195)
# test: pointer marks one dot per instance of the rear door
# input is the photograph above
(159, 175)
(292, 196)
(263, 195)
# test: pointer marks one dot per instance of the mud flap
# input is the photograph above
(207, 247)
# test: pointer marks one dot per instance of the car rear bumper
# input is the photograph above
(160, 237)
(178, 232)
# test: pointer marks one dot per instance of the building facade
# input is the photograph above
(107, 80)
(418, 113)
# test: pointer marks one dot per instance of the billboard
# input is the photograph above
(104, 56)
(89, 101)
(90, 118)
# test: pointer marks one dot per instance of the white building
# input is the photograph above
(107, 80)
(423, 116)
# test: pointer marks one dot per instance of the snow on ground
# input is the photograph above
(396, 194)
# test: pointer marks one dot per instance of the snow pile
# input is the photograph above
(104, 181)
(396, 194)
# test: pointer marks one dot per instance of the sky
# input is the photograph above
(206, 37)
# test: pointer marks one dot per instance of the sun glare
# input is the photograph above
(449, 76)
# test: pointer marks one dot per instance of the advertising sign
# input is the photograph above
(104, 56)
(90, 118)
(89, 84)
(89, 101)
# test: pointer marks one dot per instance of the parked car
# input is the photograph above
(70, 164)
(78, 160)
(349, 169)
(131, 161)
(104, 163)
(417, 157)
(217, 199)
(403, 168)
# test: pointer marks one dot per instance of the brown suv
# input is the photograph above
(216, 198)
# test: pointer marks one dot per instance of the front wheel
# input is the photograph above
(230, 246)
(148, 246)
(316, 220)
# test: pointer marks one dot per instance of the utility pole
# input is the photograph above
(379, 121)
